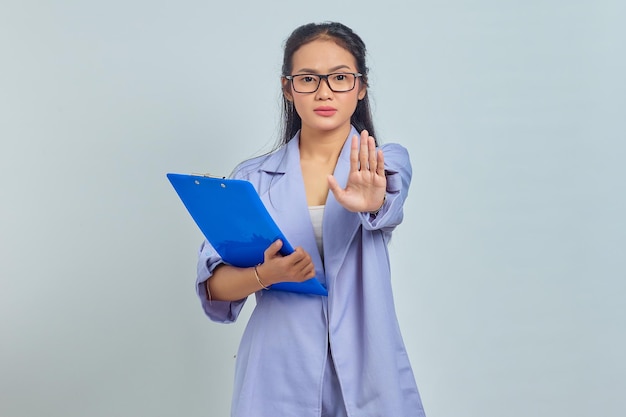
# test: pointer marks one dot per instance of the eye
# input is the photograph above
(308, 79)
(339, 77)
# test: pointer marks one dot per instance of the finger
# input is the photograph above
(372, 154)
(354, 154)
(298, 265)
(307, 268)
(273, 249)
(302, 267)
(295, 255)
(309, 271)
(380, 167)
(334, 187)
(364, 151)
(298, 256)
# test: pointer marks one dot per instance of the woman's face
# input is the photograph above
(324, 110)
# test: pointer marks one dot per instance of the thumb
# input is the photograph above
(273, 249)
(333, 185)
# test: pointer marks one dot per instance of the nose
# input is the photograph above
(324, 91)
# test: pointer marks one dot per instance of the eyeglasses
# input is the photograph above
(338, 82)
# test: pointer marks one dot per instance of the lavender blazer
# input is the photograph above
(284, 348)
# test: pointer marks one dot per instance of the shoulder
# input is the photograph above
(247, 167)
(396, 156)
(395, 149)
(267, 163)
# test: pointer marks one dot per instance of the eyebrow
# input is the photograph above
(333, 69)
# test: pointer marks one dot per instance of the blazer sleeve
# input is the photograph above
(218, 311)
(398, 171)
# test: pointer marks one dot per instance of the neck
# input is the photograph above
(324, 146)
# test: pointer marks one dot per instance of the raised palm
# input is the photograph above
(366, 186)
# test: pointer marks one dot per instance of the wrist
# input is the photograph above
(258, 275)
(375, 212)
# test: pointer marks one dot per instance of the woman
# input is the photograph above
(337, 198)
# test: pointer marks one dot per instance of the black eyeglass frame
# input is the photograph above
(323, 77)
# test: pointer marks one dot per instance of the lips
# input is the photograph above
(325, 111)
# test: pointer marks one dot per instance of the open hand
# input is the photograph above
(366, 186)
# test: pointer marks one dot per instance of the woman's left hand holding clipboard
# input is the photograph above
(295, 267)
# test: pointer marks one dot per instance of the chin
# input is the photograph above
(329, 126)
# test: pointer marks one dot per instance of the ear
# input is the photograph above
(362, 93)
(286, 89)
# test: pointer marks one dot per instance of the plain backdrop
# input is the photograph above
(509, 270)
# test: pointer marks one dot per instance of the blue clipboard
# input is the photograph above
(232, 217)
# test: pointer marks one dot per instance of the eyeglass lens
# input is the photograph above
(339, 82)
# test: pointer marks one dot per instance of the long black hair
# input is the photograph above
(347, 39)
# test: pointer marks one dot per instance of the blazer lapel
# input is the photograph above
(339, 224)
(285, 200)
